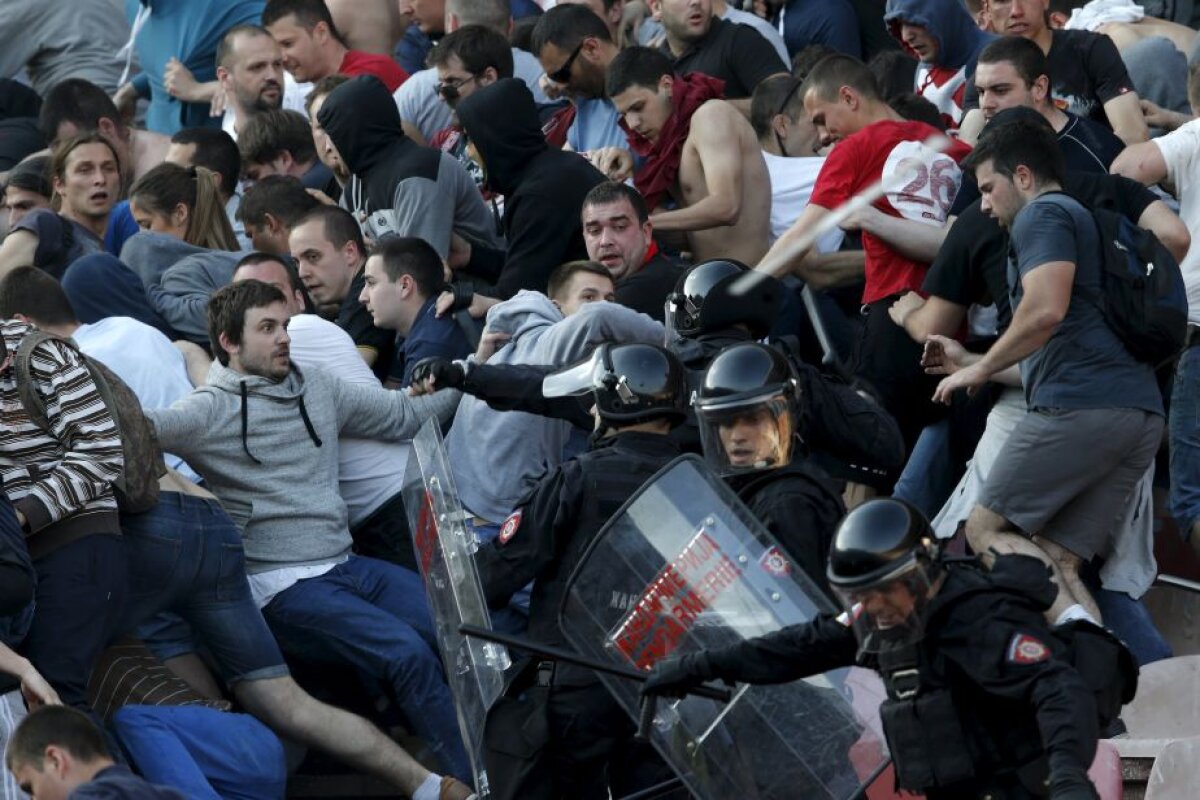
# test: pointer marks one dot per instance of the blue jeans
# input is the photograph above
(1184, 422)
(1130, 620)
(185, 555)
(928, 477)
(204, 753)
(372, 616)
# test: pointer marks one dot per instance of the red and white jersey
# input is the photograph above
(945, 88)
(922, 184)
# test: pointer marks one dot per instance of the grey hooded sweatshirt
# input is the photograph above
(179, 278)
(497, 456)
(269, 451)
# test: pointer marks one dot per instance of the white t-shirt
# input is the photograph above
(146, 360)
(1180, 150)
(369, 472)
(792, 182)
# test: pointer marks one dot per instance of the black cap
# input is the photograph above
(874, 540)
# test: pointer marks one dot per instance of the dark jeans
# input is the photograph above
(185, 555)
(80, 592)
(372, 616)
(385, 534)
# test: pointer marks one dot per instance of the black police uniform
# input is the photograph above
(559, 733)
(981, 706)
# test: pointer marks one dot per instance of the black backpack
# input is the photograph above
(136, 489)
(1144, 299)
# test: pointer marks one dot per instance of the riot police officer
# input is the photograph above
(557, 733)
(983, 699)
(751, 413)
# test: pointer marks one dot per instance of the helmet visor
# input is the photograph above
(578, 379)
(749, 435)
(891, 612)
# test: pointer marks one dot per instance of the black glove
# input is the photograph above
(672, 677)
(464, 293)
(1072, 784)
(445, 373)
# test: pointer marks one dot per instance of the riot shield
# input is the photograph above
(445, 547)
(684, 566)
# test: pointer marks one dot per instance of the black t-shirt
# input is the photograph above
(737, 54)
(646, 290)
(1086, 71)
(971, 266)
(355, 320)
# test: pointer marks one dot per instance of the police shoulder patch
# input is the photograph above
(1026, 649)
(775, 563)
(509, 528)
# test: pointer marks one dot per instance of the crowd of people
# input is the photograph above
(841, 249)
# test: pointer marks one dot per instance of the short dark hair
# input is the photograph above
(58, 726)
(282, 196)
(227, 311)
(32, 175)
(565, 26)
(322, 88)
(803, 62)
(895, 72)
(289, 267)
(478, 48)
(778, 94)
(307, 13)
(913, 106)
(339, 224)
(1026, 57)
(225, 46)
(79, 102)
(614, 191)
(62, 151)
(562, 275)
(831, 73)
(268, 133)
(1009, 144)
(215, 151)
(637, 66)
(33, 293)
(410, 255)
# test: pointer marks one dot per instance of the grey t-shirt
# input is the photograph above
(1084, 364)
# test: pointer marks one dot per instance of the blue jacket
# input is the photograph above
(959, 39)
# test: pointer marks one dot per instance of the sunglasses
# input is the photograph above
(449, 90)
(563, 73)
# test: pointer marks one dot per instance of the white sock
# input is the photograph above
(429, 789)
(1074, 611)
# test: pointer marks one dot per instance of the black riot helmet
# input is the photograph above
(630, 383)
(882, 544)
(749, 409)
(720, 294)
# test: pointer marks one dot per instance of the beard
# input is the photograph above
(259, 102)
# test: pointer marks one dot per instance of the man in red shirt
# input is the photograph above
(313, 48)
(873, 142)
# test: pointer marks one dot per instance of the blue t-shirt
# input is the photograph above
(829, 22)
(121, 226)
(595, 125)
(1084, 364)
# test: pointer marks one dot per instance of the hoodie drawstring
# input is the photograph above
(246, 423)
(312, 432)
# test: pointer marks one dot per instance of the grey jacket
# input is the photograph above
(497, 456)
(269, 451)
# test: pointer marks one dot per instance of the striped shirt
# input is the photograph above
(60, 479)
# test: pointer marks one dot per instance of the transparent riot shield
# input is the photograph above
(683, 567)
(444, 547)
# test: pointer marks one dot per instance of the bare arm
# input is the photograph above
(934, 316)
(195, 360)
(17, 251)
(413, 132)
(1047, 294)
(1160, 220)
(789, 250)
(916, 240)
(829, 270)
(715, 138)
(1124, 113)
(971, 126)
(1143, 163)
(34, 687)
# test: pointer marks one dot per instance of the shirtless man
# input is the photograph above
(699, 150)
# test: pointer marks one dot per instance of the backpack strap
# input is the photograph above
(34, 405)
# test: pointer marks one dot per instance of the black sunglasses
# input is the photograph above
(449, 89)
(563, 73)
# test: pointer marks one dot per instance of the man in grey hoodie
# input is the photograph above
(265, 438)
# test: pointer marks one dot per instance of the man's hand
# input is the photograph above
(36, 691)
(1158, 117)
(1072, 785)
(672, 677)
(615, 162)
(431, 374)
(444, 303)
(552, 90)
(944, 356)
(216, 106)
(970, 378)
(489, 343)
(181, 84)
(126, 102)
(905, 305)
